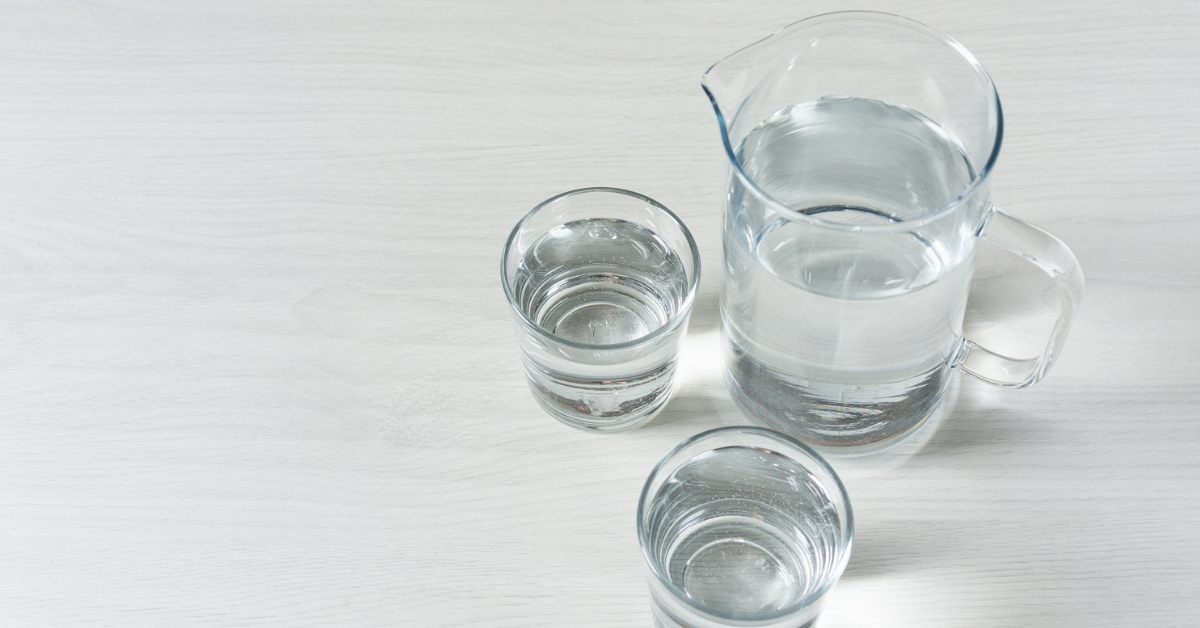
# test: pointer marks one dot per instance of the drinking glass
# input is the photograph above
(742, 526)
(600, 282)
(860, 146)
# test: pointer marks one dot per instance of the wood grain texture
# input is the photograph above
(256, 368)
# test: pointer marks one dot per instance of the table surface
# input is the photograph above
(256, 368)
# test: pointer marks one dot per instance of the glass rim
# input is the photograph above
(866, 17)
(667, 327)
(768, 434)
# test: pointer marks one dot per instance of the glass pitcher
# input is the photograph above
(860, 146)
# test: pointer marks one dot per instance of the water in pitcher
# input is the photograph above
(842, 337)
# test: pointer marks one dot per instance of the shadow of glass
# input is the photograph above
(983, 424)
(701, 399)
(890, 547)
(706, 314)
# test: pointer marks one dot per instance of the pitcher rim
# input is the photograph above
(904, 225)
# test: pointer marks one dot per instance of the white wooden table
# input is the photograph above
(256, 368)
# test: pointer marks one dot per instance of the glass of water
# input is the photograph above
(742, 526)
(601, 283)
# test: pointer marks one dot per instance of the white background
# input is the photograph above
(256, 368)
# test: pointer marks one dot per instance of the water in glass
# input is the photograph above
(600, 281)
(744, 531)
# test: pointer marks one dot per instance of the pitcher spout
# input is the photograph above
(743, 83)
(729, 82)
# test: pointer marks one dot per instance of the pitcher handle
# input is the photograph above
(1052, 256)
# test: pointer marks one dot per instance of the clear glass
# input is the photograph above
(600, 282)
(742, 526)
(860, 146)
